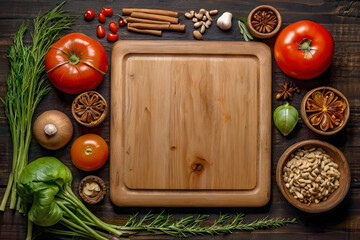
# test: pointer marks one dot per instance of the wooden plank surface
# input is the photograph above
(344, 74)
(190, 116)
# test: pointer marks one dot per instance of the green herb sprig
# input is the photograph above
(193, 226)
(244, 30)
(26, 86)
(183, 227)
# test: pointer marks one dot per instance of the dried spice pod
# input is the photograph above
(92, 189)
(89, 109)
(287, 91)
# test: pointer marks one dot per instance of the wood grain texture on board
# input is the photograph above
(190, 123)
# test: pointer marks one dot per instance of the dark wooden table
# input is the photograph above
(341, 18)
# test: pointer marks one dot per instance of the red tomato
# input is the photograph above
(113, 27)
(107, 11)
(304, 49)
(89, 15)
(89, 152)
(100, 31)
(76, 63)
(101, 17)
(121, 22)
(112, 37)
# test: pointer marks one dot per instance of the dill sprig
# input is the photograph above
(26, 85)
(193, 226)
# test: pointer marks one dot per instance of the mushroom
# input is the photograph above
(53, 129)
(92, 189)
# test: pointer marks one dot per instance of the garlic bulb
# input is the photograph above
(224, 21)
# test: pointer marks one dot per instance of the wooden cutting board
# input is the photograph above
(190, 124)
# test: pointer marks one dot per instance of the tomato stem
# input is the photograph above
(88, 150)
(73, 59)
(305, 45)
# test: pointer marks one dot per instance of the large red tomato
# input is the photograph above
(76, 63)
(304, 49)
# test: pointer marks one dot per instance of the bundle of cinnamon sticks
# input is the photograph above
(152, 21)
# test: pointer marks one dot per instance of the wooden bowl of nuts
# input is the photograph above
(325, 110)
(264, 21)
(89, 108)
(313, 176)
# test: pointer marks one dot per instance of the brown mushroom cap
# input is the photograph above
(96, 196)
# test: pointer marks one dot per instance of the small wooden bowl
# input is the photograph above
(315, 128)
(257, 34)
(93, 123)
(101, 193)
(336, 197)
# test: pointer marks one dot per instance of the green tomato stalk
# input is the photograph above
(45, 187)
(26, 85)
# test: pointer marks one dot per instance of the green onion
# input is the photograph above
(26, 85)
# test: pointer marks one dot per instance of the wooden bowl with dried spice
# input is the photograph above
(264, 21)
(325, 110)
(89, 109)
(313, 176)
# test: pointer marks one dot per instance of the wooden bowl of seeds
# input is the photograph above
(264, 21)
(313, 176)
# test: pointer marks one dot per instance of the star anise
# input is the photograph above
(89, 107)
(287, 91)
(325, 109)
(264, 21)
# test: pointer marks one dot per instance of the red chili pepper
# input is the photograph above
(100, 31)
(113, 27)
(101, 17)
(112, 37)
(89, 15)
(107, 11)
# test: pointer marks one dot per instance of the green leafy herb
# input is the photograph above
(244, 30)
(26, 85)
(45, 187)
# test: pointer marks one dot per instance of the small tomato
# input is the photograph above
(107, 11)
(112, 37)
(89, 152)
(121, 22)
(101, 17)
(113, 27)
(89, 15)
(100, 31)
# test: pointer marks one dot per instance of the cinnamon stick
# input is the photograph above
(128, 11)
(146, 31)
(173, 27)
(140, 20)
(154, 17)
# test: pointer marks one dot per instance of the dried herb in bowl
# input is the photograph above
(89, 108)
(325, 109)
(264, 21)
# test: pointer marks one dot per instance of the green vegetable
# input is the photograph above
(45, 186)
(244, 30)
(285, 118)
(26, 85)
